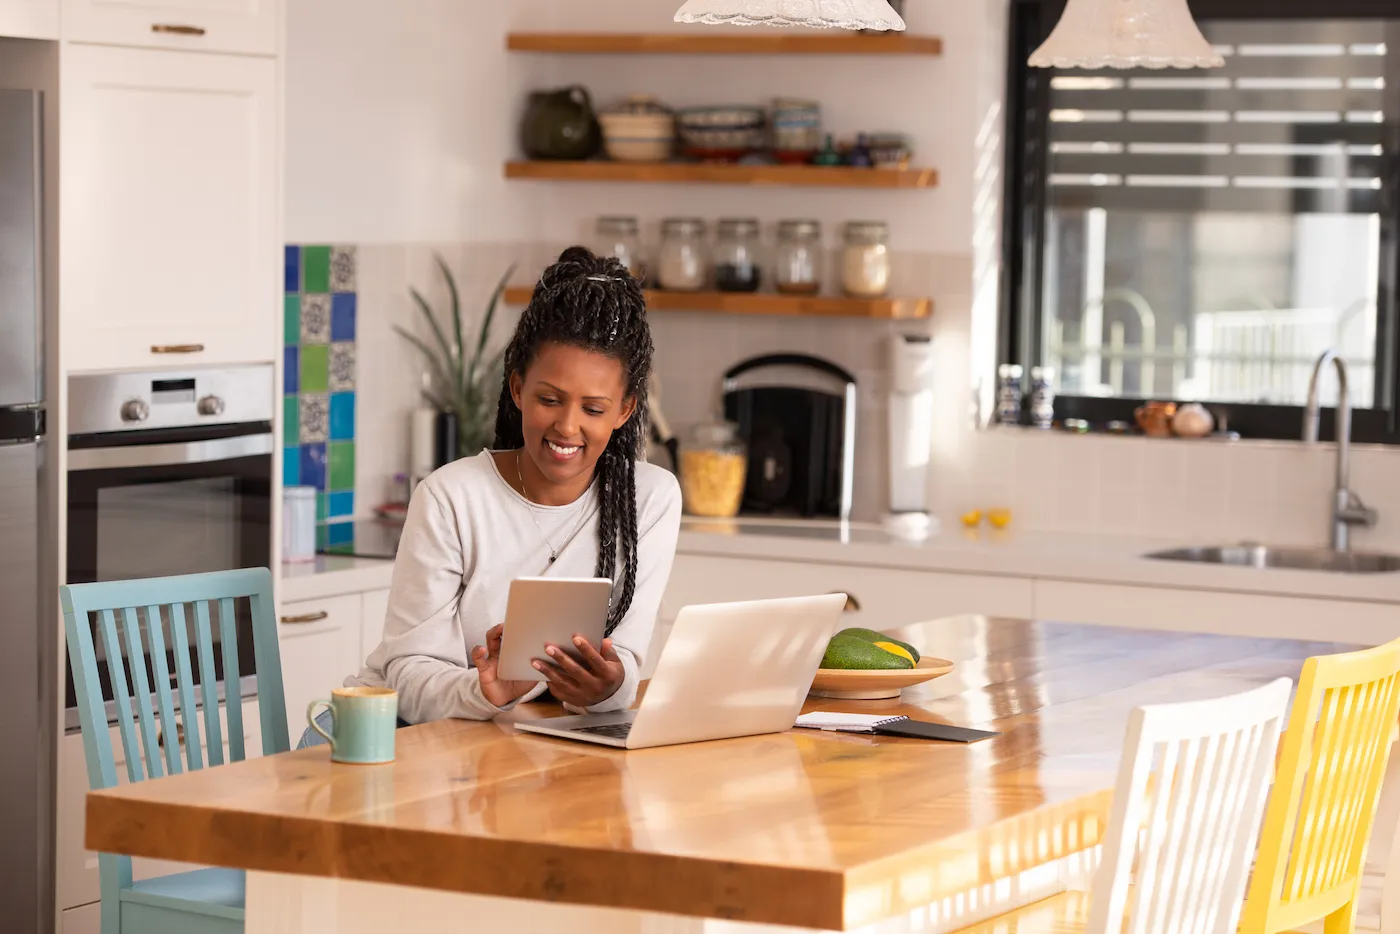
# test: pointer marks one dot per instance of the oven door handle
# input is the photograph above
(160, 455)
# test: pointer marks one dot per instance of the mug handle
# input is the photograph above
(311, 719)
(580, 95)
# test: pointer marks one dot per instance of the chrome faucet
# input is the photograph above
(1347, 507)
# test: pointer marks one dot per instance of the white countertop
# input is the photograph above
(1102, 559)
(1022, 554)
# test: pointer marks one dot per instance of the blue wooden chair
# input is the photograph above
(128, 615)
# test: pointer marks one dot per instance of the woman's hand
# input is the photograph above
(495, 690)
(582, 685)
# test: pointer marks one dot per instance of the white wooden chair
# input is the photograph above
(1186, 814)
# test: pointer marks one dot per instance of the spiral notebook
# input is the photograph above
(890, 726)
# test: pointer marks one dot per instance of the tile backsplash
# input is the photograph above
(319, 384)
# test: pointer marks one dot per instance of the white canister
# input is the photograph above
(299, 524)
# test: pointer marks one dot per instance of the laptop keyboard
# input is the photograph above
(613, 730)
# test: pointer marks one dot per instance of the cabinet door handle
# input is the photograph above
(177, 348)
(307, 617)
(852, 604)
(179, 736)
(173, 29)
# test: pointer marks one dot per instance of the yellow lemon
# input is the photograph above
(899, 650)
(1000, 518)
(972, 519)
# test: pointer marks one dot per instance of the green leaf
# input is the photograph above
(427, 311)
(456, 320)
(484, 334)
(428, 354)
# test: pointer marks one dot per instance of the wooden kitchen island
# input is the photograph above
(478, 828)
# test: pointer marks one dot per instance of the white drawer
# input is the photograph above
(245, 26)
(320, 645)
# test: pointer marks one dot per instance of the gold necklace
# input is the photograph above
(529, 507)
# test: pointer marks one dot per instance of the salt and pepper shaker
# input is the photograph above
(1009, 394)
(1042, 396)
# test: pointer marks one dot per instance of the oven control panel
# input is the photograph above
(107, 402)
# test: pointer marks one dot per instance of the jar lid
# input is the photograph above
(867, 231)
(799, 228)
(688, 226)
(618, 224)
(738, 226)
(715, 434)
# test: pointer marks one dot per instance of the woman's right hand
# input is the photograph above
(496, 690)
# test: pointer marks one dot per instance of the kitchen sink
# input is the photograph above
(1296, 559)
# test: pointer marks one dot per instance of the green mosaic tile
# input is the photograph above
(341, 473)
(344, 548)
(321, 534)
(323, 510)
(316, 269)
(315, 367)
(291, 421)
(291, 318)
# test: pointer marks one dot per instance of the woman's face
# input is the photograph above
(571, 401)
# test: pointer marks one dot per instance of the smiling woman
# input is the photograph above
(561, 495)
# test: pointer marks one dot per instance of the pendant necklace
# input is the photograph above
(529, 505)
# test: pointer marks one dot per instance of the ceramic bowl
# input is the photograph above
(726, 133)
(638, 130)
(876, 685)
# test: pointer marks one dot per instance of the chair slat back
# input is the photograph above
(1332, 761)
(1186, 813)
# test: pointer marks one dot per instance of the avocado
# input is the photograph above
(870, 635)
(852, 654)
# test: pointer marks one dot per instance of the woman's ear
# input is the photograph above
(629, 408)
(517, 386)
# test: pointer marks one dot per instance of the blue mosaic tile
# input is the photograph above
(291, 370)
(291, 466)
(340, 505)
(293, 269)
(342, 416)
(313, 465)
(343, 316)
(339, 533)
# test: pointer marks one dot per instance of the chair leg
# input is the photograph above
(1383, 854)
(1341, 921)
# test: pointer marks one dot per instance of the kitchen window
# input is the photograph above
(1206, 234)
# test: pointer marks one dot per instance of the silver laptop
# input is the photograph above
(728, 669)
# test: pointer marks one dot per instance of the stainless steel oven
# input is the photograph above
(169, 473)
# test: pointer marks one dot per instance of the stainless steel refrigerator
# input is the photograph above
(28, 620)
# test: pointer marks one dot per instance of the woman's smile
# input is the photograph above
(562, 452)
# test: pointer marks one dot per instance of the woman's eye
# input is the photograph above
(596, 413)
(545, 400)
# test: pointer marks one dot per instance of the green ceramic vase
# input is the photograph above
(560, 125)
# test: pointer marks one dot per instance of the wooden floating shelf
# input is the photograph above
(835, 43)
(760, 303)
(719, 173)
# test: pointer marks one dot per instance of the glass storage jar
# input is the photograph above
(865, 260)
(681, 265)
(714, 465)
(797, 262)
(737, 265)
(620, 237)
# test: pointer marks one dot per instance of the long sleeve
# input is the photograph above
(659, 524)
(424, 655)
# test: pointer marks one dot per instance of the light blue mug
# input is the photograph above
(363, 723)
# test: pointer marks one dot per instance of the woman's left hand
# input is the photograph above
(586, 684)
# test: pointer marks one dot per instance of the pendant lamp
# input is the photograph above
(1126, 34)
(826, 14)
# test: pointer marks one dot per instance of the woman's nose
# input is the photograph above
(566, 423)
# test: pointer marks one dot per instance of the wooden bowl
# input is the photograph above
(874, 685)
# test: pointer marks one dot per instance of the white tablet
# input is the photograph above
(550, 610)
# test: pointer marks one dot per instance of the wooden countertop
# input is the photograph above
(808, 829)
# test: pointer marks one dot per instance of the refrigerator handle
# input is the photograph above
(21, 423)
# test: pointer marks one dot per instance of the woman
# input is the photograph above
(562, 495)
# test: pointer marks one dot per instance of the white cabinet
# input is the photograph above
(375, 604)
(84, 920)
(881, 598)
(320, 643)
(29, 19)
(78, 882)
(168, 225)
(245, 26)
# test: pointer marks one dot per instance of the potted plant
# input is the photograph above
(464, 378)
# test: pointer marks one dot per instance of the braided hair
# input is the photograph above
(592, 303)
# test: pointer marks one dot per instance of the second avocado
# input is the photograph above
(870, 635)
(855, 654)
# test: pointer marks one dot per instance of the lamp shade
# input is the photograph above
(827, 14)
(1126, 34)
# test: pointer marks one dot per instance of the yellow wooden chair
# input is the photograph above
(1312, 849)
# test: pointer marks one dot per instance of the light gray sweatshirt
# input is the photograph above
(467, 536)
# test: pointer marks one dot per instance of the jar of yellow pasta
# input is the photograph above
(714, 464)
